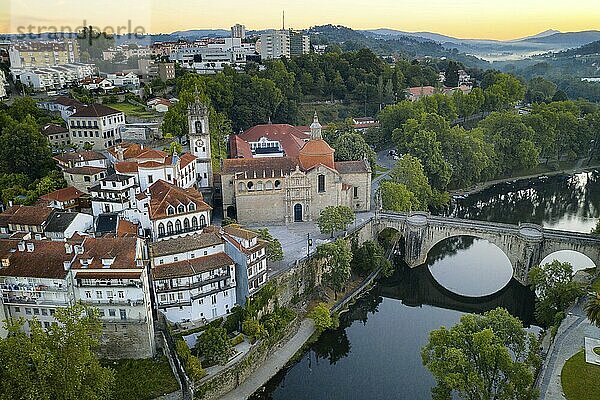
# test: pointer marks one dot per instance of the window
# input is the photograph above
(277, 184)
(178, 226)
(46, 325)
(52, 311)
(161, 229)
(214, 299)
(250, 186)
(169, 228)
(101, 312)
(194, 222)
(192, 207)
(28, 311)
(321, 184)
(181, 209)
(123, 314)
(269, 185)
(112, 312)
(150, 179)
(36, 311)
(17, 310)
(171, 210)
(202, 221)
(98, 294)
(121, 294)
(44, 311)
(87, 179)
(355, 192)
(186, 224)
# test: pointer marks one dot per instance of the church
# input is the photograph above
(294, 188)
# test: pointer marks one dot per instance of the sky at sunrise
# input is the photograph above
(499, 19)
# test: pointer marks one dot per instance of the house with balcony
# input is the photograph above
(109, 273)
(194, 279)
(114, 193)
(250, 256)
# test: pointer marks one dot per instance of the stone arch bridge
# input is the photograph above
(525, 245)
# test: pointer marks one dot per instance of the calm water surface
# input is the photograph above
(375, 353)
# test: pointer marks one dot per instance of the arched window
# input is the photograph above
(194, 222)
(242, 187)
(178, 226)
(259, 185)
(192, 207)
(269, 185)
(250, 186)
(170, 210)
(321, 184)
(181, 209)
(161, 229)
(202, 221)
(169, 228)
(186, 224)
(277, 184)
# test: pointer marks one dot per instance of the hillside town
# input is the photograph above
(298, 213)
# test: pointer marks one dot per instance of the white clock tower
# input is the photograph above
(199, 139)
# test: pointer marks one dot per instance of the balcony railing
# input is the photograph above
(8, 287)
(174, 303)
(193, 285)
(31, 300)
(181, 231)
(119, 302)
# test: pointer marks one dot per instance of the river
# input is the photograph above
(375, 353)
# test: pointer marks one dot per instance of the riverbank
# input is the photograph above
(488, 184)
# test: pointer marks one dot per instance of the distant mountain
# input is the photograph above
(202, 33)
(392, 33)
(570, 39)
(549, 32)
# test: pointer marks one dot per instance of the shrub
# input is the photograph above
(190, 363)
(237, 340)
(253, 329)
(215, 346)
(321, 316)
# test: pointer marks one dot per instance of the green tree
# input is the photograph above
(55, 363)
(555, 290)
(23, 149)
(489, 356)
(352, 146)
(337, 256)
(370, 256)
(174, 147)
(274, 249)
(334, 218)
(321, 316)
(409, 172)
(592, 310)
(215, 346)
(397, 197)
(451, 74)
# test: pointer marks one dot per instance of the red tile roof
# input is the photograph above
(95, 110)
(72, 157)
(352, 167)
(289, 137)
(151, 153)
(126, 228)
(239, 148)
(53, 129)
(164, 194)
(27, 215)
(84, 170)
(45, 261)
(63, 195)
(194, 266)
(121, 249)
(315, 152)
(126, 167)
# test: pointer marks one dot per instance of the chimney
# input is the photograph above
(30, 247)
(67, 265)
(78, 249)
(68, 248)
(120, 155)
(21, 246)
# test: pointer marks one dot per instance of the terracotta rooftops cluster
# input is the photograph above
(164, 195)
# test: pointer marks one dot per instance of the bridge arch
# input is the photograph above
(481, 269)
(577, 259)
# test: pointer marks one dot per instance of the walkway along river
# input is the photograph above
(375, 353)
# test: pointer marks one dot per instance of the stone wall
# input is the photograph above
(127, 340)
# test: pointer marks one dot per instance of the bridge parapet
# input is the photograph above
(531, 232)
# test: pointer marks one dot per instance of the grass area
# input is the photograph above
(142, 379)
(133, 110)
(580, 379)
(597, 350)
(379, 170)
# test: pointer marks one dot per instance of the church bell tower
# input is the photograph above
(199, 139)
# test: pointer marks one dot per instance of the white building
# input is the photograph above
(3, 84)
(64, 224)
(66, 106)
(114, 193)
(193, 278)
(39, 277)
(148, 166)
(36, 53)
(54, 77)
(96, 125)
(250, 256)
(96, 83)
(238, 31)
(214, 57)
(274, 44)
(122, 79)
(199, 138)
(168, 211)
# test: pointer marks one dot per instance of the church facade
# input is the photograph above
(294, 189)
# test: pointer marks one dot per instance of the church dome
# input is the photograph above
(315, 152)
